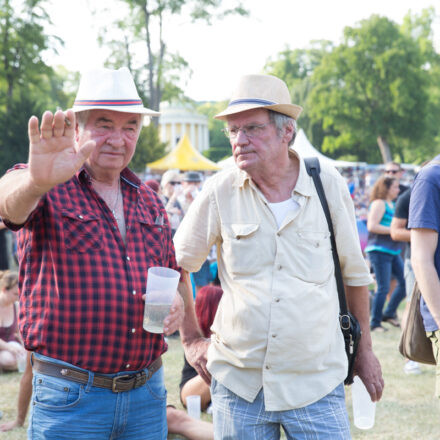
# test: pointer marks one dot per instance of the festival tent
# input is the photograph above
(303, 146)
(184, 157)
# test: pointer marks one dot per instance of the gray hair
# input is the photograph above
(82, 118)
(282, 121)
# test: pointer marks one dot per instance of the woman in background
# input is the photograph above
(384, 253)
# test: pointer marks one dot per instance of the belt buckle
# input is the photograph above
(115, 381)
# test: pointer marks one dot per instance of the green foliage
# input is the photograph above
(148, 149)
(381, 81)
(27, 85)
(372, 85)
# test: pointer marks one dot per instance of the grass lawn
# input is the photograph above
(407, 410)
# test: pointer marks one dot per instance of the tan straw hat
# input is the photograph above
(110, 90)
(261, 91)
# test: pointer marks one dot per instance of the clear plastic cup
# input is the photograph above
(364, 409)
(21, 362)
(161, 288)
(193, 406)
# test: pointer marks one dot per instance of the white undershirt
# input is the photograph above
(280, 209)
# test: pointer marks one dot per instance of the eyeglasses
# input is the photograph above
(250, 131)
(393, 171)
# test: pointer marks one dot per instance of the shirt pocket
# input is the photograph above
(81, 232)
(240, 247)
(312, 254)
(154, 241)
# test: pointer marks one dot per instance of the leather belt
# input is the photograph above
(117, 384)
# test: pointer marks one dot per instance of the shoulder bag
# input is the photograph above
(351, 330)
(414, 344)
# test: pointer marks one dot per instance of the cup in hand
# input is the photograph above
(161, 288)
(193, 406)
(363, 408)
(21, 362)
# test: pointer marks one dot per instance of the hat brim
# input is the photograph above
(123, 109)
(291, 110)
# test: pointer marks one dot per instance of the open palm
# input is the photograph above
(54, 155)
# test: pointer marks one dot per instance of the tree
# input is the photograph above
(148, 148)
(371, 89)
(135, 33)
(27, 85)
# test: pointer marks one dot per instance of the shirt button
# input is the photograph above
(133, 330)
(80, 216)
(267, 367)
(277, 300)
(128, 258)
(127, 366)
(274, 335)
(134, 292)
(279, 234)
(280, 267)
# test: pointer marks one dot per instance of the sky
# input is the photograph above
(219, 54)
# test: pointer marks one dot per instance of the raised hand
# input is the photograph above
(54, 155)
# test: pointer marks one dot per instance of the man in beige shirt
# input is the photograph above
(276, 355)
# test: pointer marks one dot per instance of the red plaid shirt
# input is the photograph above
(80, 287)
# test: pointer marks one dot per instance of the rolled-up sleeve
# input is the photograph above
(198, 231)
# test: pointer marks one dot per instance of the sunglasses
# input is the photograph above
(393, 171)
(174, 183)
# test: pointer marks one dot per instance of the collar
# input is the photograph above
(126, 174)
(304, 185)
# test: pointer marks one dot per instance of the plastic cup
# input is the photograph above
(364, 409)
(193, 406)
(161, 288)
(21, 362)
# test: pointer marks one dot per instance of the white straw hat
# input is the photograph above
(261, 91)
(110, 90)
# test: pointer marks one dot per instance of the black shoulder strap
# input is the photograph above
(313, 169)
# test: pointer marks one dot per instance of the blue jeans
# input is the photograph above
(62, 409)
(384, 266)
(236, 419)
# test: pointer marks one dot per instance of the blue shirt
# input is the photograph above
(424, 212)
(384, 242)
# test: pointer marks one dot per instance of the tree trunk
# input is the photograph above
(384, 149)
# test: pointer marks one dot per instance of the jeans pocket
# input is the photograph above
(56, 394)
(156, 386)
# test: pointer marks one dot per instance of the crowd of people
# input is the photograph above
(260, 330)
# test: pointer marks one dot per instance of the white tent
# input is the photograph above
(303, 146)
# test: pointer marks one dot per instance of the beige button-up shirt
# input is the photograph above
(277, 323)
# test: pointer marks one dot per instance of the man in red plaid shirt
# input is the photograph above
(87, 232)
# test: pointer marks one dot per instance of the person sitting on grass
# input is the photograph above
(11, 346)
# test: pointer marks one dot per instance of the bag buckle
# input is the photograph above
(344, 322)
